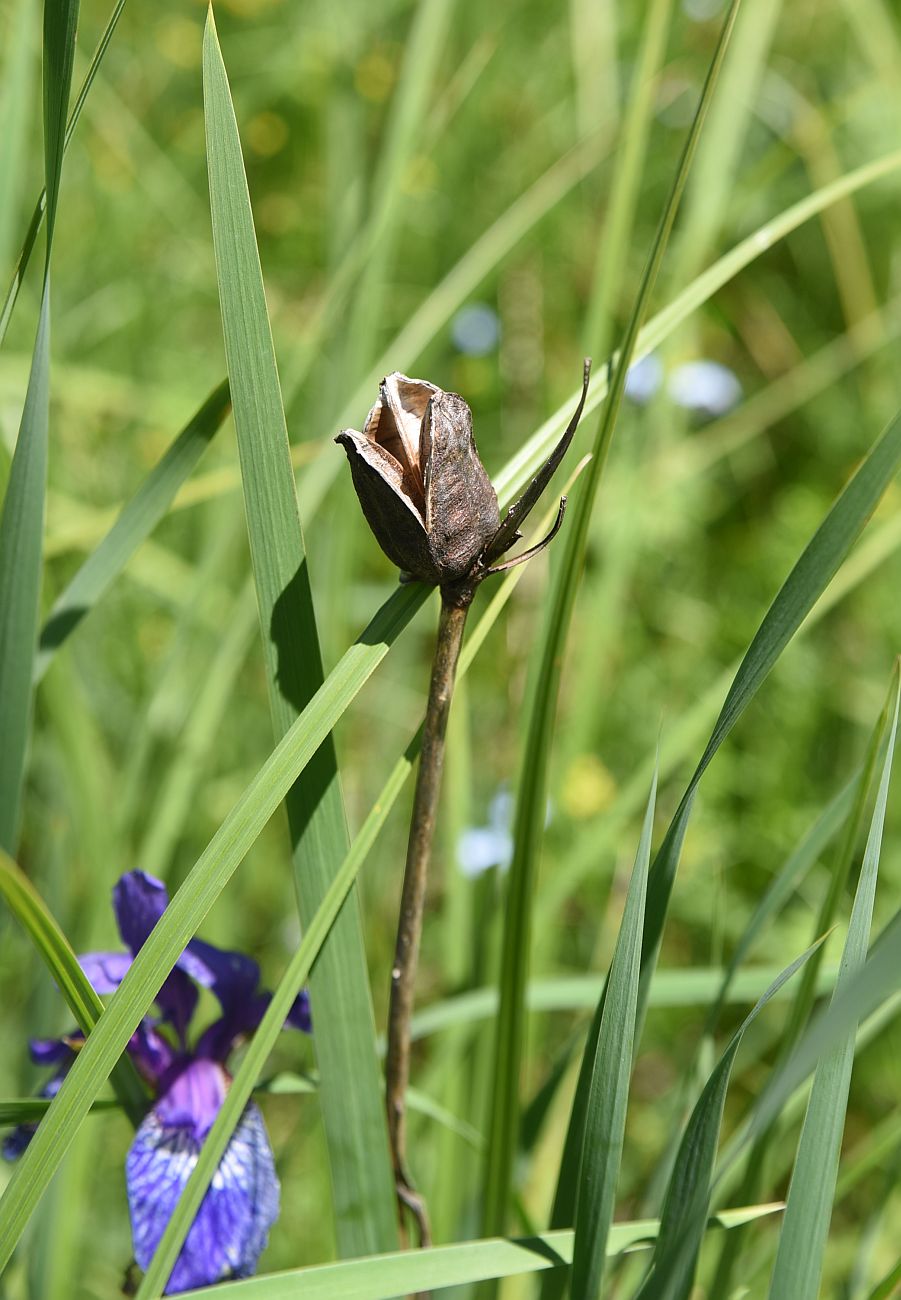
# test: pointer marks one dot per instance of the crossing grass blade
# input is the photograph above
(56, 952)
(41, 205)
(189, 906)
(134, 525)
(805, 993)
(22, 520)
(808, 579)
(350, 1097)
(687, 1199)
(443, 1266)
(802, 1241)
(298, 970)
(503, 1123)
(608, 1094)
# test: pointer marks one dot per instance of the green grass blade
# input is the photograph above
(55, 950)
(608, 1094)
(802, 1242)
(470, 1261)
(809, 577)
(186, 912)
(40, 207)
(22, 520)
(137, 521)
(15, 97)
(350, 1098)
(503, 1123)
(21, 534)
(523, 465)
(687, 1197)
(888, 1287)
(825, 828)
(299, 969)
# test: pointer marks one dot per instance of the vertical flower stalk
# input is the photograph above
(433, 511)
(409, 927)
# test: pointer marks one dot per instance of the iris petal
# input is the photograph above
(241, 1204)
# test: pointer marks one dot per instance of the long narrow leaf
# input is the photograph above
(687, 1197)
(503, 1123)
(190, 905)
(56, 952)
(802, 1242)
(807, 580)
(470, 1261)
(608, 1095)
(350, 1097)
(134, 525)
(297, 972)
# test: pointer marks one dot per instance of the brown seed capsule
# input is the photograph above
(424, 491)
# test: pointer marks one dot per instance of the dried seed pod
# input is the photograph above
(424, 491)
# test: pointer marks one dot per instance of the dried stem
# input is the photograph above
(454, 608)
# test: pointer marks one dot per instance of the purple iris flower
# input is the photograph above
(189, 1085)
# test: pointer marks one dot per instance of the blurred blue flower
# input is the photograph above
(706, 387)
(189, 1085)
(482, 847)
(476, 329)
(644, 378)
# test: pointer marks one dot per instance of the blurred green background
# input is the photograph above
(383, 145)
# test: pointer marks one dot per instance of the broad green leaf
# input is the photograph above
(406, 1272)
(137, 521)
(608, 1094)
(802, 1241)
(350, 1097)
(809, 577)
(56, 952)
(503, 1122)
(687, 1199)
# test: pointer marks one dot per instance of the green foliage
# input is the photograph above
(372, 172)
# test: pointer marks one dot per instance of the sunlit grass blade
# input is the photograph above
(503, 1123)
(15, 95)
(687, 1197)
(403, 1273)
(350, 1097)
(137, 521)
(608, 1093)
(298, 971)
(56, 952)
(189, 906)
(22, 520)
(525, 462)
(802, 1241)
(809, 577)
(41, 205)
(805, 994)
(21, 533)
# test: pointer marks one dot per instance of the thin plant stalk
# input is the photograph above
(409, 927)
